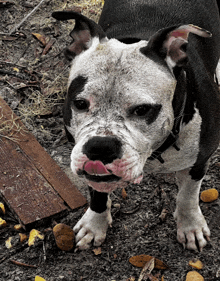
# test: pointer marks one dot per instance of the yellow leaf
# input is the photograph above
(8, 244)
(16, 69)
(40, 38)
(2, 207)
(34, 234)
(194, 276)
(17, 226)
(38, 278)
(2, 223)
(23, 237)
(97, 251)
(141, 260)
(197, 264)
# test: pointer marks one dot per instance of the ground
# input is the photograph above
(34, 85)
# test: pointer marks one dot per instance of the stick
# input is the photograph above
(25, 18)
(22, 264)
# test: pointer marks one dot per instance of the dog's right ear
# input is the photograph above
(83, 33)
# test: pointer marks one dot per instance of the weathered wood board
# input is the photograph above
(31, 182)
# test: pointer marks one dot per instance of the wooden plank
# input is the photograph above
(24, 188)
(30, 180)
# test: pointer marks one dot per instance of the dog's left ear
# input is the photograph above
(83, 33)
(171, 43)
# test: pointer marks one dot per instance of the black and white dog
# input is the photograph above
(143, 98)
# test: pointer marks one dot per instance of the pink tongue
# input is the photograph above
(96, 168)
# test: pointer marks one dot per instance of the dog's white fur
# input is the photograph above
(120, 76)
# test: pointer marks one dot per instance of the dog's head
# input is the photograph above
(119, 106)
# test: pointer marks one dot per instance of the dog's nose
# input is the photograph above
(104, 149)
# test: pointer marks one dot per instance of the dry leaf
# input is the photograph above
(124, 193)
(97, 251)
(38, 278)
(209, 195)
(8, 244)
(141, 260)
(194, 276)
(197, 264)
(17, 226)
(2, 223)
(40, 38)
(23, 237)
(162, 278)
(34, 235)
(16, 69)
(147, 269)
(2, 208)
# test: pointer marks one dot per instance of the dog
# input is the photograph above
(143, 97)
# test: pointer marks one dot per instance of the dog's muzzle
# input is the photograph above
(103, 166)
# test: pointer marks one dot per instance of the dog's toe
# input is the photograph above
(92, 227)
(85, 241)
(192, 230)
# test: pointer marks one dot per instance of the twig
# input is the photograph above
(22, 264)
(25, 18)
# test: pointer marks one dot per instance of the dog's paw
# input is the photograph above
(192, 229)
(92, 227)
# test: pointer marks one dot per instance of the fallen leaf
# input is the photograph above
(2, 223)
(124, 193)
(194, 276)
(12, 241)
(34, 234)
(16, 69)
(38, 278)
(40, 38)
(17, 226)
(147, 269)
(141, 260)
(209, 195)
(8, 244)
(97, 251)
(197, 264)
(23, 237)
(162, 278)
(2, 208)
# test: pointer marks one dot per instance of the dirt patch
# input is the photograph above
(34, 85)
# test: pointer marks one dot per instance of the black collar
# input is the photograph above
(179, 102)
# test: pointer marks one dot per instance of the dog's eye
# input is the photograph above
(141, 110)
(81, 104)
(148, 112)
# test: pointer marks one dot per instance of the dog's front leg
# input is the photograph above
(192, 229)
(94, 223)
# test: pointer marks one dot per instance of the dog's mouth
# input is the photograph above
(100, 178)
(96, 171)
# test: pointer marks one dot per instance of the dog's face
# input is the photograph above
(119, 108)
(119, 103)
